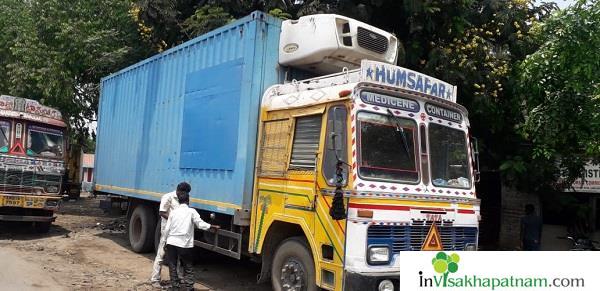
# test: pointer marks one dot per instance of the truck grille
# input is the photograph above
(411, 238)
(15, 181)
(371, 40)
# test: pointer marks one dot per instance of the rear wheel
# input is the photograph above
(142, 225)
(293, 268)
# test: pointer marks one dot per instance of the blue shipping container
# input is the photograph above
(190, 114)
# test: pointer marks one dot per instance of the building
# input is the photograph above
(87, 172)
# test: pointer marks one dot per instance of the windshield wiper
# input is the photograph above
(396, 121)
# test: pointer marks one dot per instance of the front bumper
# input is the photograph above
(27, 218)
(367, 282)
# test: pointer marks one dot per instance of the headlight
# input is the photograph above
(470, 247)
(386, 285)
(378, 255)
(52, 189)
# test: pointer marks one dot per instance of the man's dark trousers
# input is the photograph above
(184, 255)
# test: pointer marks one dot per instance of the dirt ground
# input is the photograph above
(88, 249)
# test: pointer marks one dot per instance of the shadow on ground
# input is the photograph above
(25, 231)
(212, 270)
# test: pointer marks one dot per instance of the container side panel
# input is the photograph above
(144, 117)
(210, 117)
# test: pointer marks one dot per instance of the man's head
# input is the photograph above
(183, 192)
(529, 209)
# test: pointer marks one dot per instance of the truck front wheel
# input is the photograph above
(142, 224)
(293, 268)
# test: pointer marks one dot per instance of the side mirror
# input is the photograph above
(475, 156)
(336, 126)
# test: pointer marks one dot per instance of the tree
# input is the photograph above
(57, 53)
(560, 89)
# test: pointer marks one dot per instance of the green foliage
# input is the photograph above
(280, 14)
(560, 89)
(57, 53)
(205, 19)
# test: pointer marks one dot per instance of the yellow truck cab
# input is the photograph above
(408, 167)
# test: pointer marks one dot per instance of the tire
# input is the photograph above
(142, 224)
(293, 257)
(42, 227)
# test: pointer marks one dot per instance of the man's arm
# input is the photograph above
(541, 228)
(167, 229)
(521, 233)
(165, 204)
(199, 223)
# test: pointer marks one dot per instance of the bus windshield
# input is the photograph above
(387, 148)
(449, 157)
(44, 142)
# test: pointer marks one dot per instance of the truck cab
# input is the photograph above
(32, 161)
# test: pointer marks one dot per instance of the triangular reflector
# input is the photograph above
(433, 241)
(17, 149)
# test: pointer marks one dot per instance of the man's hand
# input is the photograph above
(215, 227)
(163, 214)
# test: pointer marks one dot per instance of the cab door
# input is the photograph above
(302, 169)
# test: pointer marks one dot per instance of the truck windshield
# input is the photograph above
(44, 142)
(383, 155)
(449, 157)
(4, 136)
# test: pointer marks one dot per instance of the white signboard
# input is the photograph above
(591, 181)
(499, 271)
(406, 79)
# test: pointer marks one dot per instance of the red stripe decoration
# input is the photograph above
(466, 211)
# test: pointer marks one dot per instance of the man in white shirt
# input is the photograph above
(180, 240)
(168, 203)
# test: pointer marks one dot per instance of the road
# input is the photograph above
(87, 249)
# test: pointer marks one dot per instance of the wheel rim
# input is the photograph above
(292, 275)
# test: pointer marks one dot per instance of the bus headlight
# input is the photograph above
(378, 255)
(470, 247)
(51, 189)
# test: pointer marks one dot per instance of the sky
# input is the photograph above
(562, 4)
